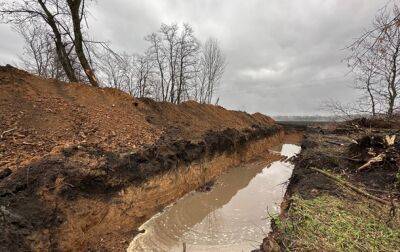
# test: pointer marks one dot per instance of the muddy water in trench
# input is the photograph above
(230, 217)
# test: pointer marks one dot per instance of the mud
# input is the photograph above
(227, 217)
(62, 202)
(82, 167)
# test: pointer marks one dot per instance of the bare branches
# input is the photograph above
(175, 67)
(374, 59)
(339, 110)
(212, 68)
(40, 55)
(60, 26)
(188, 49)
(159, 57)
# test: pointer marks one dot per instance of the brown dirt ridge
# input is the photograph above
(78, 162)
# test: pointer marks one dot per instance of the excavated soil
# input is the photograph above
(81, 167)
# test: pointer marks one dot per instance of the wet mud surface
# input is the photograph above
(231, 216)
(39, 195)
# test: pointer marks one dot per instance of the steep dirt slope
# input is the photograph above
(81, 167)
(38, 116)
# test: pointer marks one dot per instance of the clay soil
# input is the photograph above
(319, 213)
(68, 151)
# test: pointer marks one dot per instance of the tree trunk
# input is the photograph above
(74, 6)
(60, 48)
(160, 67)
(371, 96)
(180, 80)
(392, 84)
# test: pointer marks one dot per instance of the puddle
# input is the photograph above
(233, 216)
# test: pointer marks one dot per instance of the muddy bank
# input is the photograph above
(323, 207)
(58, 204)
(81, 167)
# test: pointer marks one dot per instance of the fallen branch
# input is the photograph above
(373, 160)
(382, 191)
(346, 139)
(342, 157)
(26, 143)
(5, 132)
(347, 184)
(335, 143)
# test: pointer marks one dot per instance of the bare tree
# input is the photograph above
(364, 66)
(40, 56)
(169, 34)
(388, 48)
(183, 68)
(158, 55)
(143, 75)
(134, 74)
(211, 71)
(188, 48)
(175, 53)
(375, 58)
(167, 71)
(113, 68)
(34, 12)
(59, 18)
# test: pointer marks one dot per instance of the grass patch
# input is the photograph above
(328, 223)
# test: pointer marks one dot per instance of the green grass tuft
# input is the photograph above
(328, 223)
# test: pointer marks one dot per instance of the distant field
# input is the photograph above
(302, 123)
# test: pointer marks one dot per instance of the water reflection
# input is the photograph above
(231, 217)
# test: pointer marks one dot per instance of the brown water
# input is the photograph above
(233, 216)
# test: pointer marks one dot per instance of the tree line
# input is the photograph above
(175, 67)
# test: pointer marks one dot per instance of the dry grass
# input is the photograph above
(328, 223)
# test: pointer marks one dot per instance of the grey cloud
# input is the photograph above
(284, 56)
(10, 45)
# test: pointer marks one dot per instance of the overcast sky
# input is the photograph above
(284, 56)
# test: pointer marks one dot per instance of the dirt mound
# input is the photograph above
(376, 122)
(40, 116)
(70, 152)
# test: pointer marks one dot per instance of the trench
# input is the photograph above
(233, 215)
